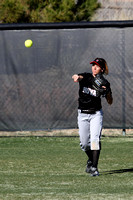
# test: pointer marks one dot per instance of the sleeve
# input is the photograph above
(85, 75)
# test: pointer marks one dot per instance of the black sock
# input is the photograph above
(96, 154)
(89, 154)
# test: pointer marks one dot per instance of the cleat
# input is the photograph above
(94, 171)
(88, 166)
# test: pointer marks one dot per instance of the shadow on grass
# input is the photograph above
(117, 171)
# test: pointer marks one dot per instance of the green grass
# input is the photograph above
(53, 168)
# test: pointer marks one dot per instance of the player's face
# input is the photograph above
(96, 70)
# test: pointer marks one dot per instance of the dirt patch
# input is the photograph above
(63, 132)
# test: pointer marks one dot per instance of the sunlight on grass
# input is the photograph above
(54, 168)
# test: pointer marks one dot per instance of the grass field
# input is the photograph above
(53, 168)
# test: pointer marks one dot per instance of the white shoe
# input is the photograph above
(94, 171)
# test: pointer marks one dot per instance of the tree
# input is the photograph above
(11, 11)
(27, 11)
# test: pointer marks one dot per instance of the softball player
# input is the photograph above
(90, 114)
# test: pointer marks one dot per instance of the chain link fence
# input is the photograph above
(36, 88)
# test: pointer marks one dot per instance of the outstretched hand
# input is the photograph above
(75, 78)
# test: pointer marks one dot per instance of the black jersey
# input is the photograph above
(88, 101)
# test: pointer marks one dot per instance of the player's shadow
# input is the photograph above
(117, 171)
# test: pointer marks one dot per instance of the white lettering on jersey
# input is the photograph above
(89, 91)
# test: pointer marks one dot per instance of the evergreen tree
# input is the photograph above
(27, 11)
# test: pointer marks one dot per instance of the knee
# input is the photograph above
(85, 147)
(95, 145)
